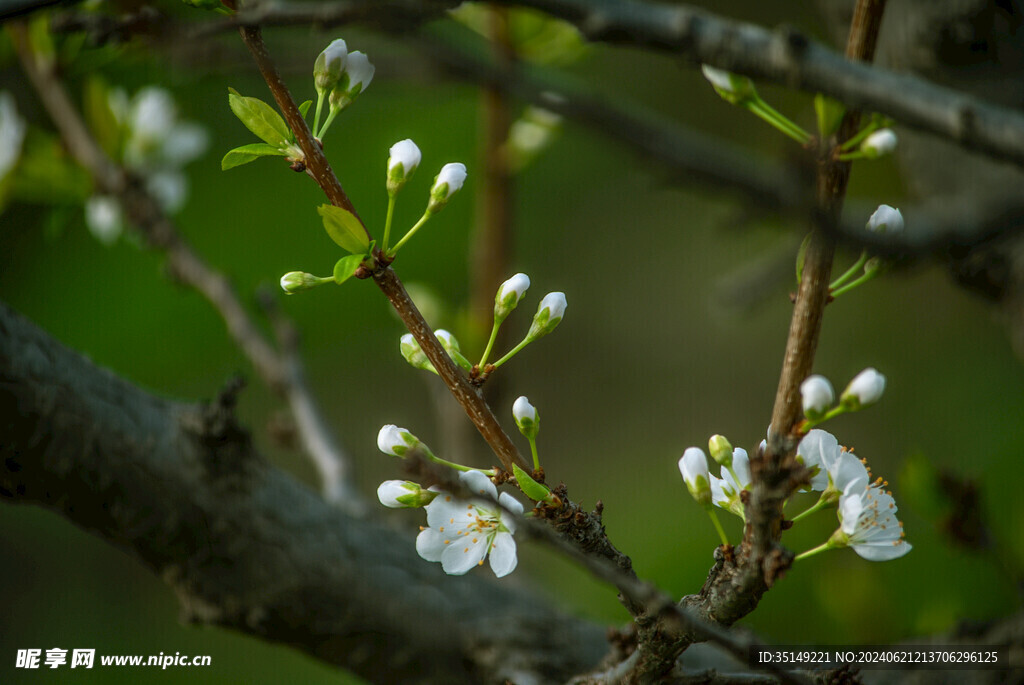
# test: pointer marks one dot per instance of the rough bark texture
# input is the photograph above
(243, 545)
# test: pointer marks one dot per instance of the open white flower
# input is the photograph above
(869, 523)
(725, 491)
(834, 468)
(461, 534)
(817, 395)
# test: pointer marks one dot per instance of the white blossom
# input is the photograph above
(359, 71)
(817, 395)
(869, 523)
(447, 182)
(885, 219)
(725, 491)
(879, 143)
(395, 441)
(461, 534)
(104, 219)
(168, 188)
(404, 494)
(526, 417)
(833, 467)
(12, 134)
(866, 388)
(329, 65)
(693, 465)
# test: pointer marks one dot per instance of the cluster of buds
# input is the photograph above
(341, 76)
(818, 396)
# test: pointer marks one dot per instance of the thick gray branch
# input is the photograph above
(245, 546)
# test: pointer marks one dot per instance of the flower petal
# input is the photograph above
(446, 513)
(503, 555)
(430, 544)
(883, 551)
(463, 554)
(479, 484)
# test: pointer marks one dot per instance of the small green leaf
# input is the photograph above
(248, 153)
(529, 486)
(260, 118)
(801, 255)
(829, 113)
(304, 107)
(345, 229)
(346, 266)
(104, 125)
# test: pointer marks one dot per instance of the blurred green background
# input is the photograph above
(648, 361)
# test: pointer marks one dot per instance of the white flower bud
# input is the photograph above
(694, 467)
(404, 157)
(451, 345)
(733, 88)
(12, 134)
(448, 182)
(395, 441)
(886, 219)
(414, 354)
(526, 416)
(866, 388)
(509, 294)
(104, 218)
(879, 143)
(404, 494)
(295, 281)
(721, 450)
(548, 315)
(329, 65)
(354, 79)
(817, 395)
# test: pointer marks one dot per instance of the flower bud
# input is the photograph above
(817, 395)
(447, 183)
(354, 79)
(396, 441)
(527, 418)
(294, 281)
(721, 450)
(879, 143)
(404, 494)
(886, 219)
(329, 65)
(451, 346)
(403, 159)
(866, 388)
(733, 88)
(509, 295)
(694, 467)
(414, 354)
(548, 315)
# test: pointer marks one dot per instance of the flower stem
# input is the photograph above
(405, 238)
(861, 135)
(853, 284)
(327, 124)
(319, 106)
(387, 222)
(849, 273)
(718, 525)
(763, 110)
(851, 156)
(513, 352)
(808, 424)
(490, 344)
(450, 464)
(823, 547)
(816, 507)
(533, 451)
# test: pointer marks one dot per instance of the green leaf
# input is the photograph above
(530, 487)
(345, 229)
(248, 153)
(346, 266)
(104, 125)
(260, 118)
(304, 107)
(829, 113)
(801, 255)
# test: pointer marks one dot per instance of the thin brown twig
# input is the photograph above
(283, 371)
(387, 280)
